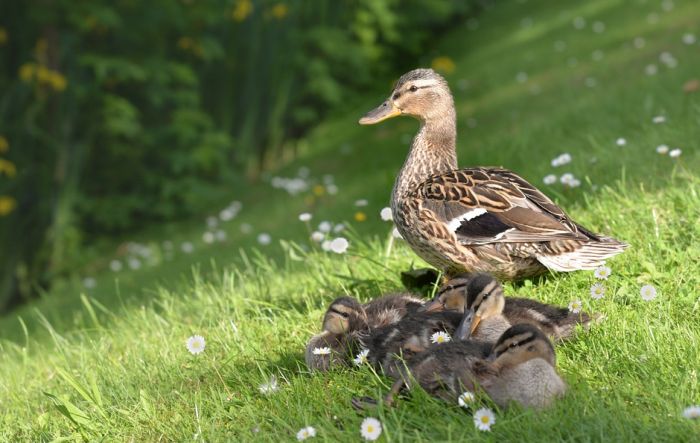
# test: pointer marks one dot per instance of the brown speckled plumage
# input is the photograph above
(478, 219)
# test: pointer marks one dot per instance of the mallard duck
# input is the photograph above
(492, 312)
(476, 219)
(347, 320)
(520, 369)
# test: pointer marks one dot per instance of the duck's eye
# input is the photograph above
(413, 88)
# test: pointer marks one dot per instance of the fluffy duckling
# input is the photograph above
(346, 320)
(519, 369)
(494, 312)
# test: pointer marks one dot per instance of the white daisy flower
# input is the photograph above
(305, 216)
(326, 245)
(264, 238)
(639, 42)
(566, 178)
(648, 292)
(692, 412)
(651, 69)
(322, 351)
(386, 214)
(317, 236)
(602, 272)
(306, 432)
(466, 399)
(187, 247)
(115, 265)
(89, 282)
(658, 119)
(269, 387)
(361, 202)
(597, 291)
(574, 183)
(689, 39)
(195, 344)
(662, 149)
(208, 237)
(575, 306)
(325, 226)
(440, 337)
(361, 358)
(396, 234)
(246, 228)
(339, 245)
(620, 142)
(549, 179)
(598, 27)
(484, 418)
(303, 172)
(212, 222)
(134, 263)
(226, 215)
(579, 23)
(370, 429)
(338, 228)
(675, 153)
(331, 189)
(220, 235)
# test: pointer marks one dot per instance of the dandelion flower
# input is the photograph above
(662, 149)
(386, 214)
(322, 351)
(597, 291)
(602, 272)
(575, 306)
(484, 418)
(306, 432)
(440, 337)
(319, 190)
(195, 344)
(318, 236)
(659, 119)
(621, 142)
(692, 412)
(305, 217)
(361, 358)
(360, 216)
(325, 226)
(264, 238)
(466, 399)
(370, 429)
(674, 153)
(269, 387)
(339, 245)
(648, 292)
(549, 179)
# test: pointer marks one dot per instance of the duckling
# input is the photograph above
(483, 293)
(520, 369)
(346, 320)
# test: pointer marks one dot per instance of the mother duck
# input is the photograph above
(475, 219)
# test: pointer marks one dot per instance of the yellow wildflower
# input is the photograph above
(443, 64)
(3, 35)
(26, 72)
(7, 204)
(279, 11)
(360, 216)
(7, 167)
(242, 10)
(4, 145)
(58, 81)
(43, 74)
(319, 190)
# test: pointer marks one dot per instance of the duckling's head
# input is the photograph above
(451, 296)
(345, 314)
(421, 93)
(521, 343)
(484, 299)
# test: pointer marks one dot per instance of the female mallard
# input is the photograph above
(476, 219)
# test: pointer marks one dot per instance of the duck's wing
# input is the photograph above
(489, 205)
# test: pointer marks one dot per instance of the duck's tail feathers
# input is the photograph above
(587, 257)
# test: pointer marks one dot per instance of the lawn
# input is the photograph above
(103, 356)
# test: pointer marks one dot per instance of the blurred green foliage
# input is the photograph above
(115, 114)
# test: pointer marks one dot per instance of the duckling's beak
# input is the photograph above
(467, 325)
(431, 306)
(382, 112)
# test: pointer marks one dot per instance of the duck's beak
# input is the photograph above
(431, 306)
(382, 112)
(468, 325)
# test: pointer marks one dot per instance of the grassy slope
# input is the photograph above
(125, 366)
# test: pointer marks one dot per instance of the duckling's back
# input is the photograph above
(556, 322)
(390, 309)
(534, 384)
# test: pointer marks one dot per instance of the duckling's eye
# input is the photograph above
(413, 88)
(344, 314)
(531, 348)
(396, 96)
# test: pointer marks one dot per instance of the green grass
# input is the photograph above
(113, 357)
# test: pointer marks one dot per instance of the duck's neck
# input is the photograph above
(432, 152)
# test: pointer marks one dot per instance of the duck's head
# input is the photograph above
(521, 343)
(345, 314)
(484, 299)
(421, 93)
(452, 296)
